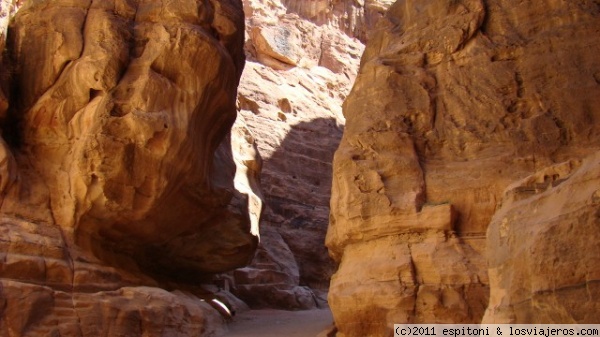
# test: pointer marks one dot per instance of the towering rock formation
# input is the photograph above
(300, 68)
(117, 174)
(454, 101)
(303, 58)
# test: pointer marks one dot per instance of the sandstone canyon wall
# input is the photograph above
(454, 102)
(302, 58)
(117, 172)
(543, 251)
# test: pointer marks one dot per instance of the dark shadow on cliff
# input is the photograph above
(296, 181)
(297, 185)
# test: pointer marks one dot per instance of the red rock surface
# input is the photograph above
(117, 173)
(454, 101)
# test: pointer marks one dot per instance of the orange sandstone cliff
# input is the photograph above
(117, 172)
(465, 186)
(456, 101)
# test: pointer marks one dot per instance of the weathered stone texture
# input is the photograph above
(290, 96)
(123, 184)
(121, 161)
(543, 251)
(454, 101)
(353, 17)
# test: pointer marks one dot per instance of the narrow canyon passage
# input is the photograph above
(300, 65)
(449, 174)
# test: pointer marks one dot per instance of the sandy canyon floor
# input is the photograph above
(277, 323)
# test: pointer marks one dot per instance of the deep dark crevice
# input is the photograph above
(11, 125)
(94, 93)
(12, 131)
(483, 28)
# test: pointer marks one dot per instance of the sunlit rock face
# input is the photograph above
(117, 169)
(353, 17)
(454, 101)
(543, 252)
(299, 70)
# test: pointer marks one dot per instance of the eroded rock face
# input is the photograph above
(299, 71)
(356, 18)
(120, 161)
(454, 101)
(117, 121)
(543, 248)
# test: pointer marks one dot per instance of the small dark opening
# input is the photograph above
(94, 93)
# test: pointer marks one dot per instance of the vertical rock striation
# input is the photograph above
(123, 184)
(454, 101)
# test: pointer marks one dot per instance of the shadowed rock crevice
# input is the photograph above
(292, 268)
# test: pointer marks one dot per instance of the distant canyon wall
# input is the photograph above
(118, 180)
(300, 67)
(355, 18)
(455, 102)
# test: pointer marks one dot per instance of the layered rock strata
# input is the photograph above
(118, 174)
(454, 101)
(298, 72)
